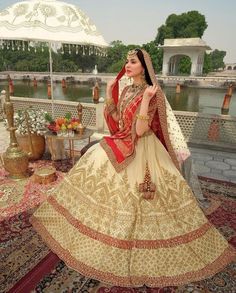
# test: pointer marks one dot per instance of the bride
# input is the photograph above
(125, 214)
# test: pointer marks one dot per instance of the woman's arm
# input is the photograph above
(142, 117)
(111, 107)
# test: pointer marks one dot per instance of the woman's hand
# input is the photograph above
(150, 92)
(110, 85)
(142, 124)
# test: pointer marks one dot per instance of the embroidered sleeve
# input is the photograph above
(110, 106)
(152, 109)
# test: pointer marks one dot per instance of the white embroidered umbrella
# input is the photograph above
(51, 21)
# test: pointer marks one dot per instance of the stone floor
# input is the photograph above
(215, 164)
(209, 163)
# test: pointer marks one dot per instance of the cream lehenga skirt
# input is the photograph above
(100, 225)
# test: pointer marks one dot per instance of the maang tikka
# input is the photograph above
(132, 53)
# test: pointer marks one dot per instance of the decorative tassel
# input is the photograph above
(148, 188)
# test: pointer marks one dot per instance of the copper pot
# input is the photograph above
(33, 145)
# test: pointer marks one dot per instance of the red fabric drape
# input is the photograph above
(111, 123)
(121, 144)
(115, 89)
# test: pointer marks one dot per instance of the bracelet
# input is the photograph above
(111, 108)
(109, 101)
(142, 117)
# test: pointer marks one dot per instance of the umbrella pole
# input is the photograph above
(51, 77)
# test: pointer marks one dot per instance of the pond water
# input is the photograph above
(190, 99)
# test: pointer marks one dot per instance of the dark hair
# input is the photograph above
(141, 59)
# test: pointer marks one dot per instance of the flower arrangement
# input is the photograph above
(63, 124)
(36, 121)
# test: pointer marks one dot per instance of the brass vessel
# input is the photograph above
(81, 127)
(33, 144)
(14, 159)
(80, 112)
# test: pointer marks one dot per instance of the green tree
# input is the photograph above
(115, 67)
(102, 64)
(84, 58)
(156, 55)
(186, 25)
(29, 59)
(217, 58)
(207, 66)
(184, 65)
(115, 56)
(117, 52)
(214, 61)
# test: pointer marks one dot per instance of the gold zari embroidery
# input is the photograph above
(99, 223)
(142, 117)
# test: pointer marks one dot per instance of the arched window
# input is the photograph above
(180, 65)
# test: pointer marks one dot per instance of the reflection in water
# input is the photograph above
(190, 99)
(186, 100)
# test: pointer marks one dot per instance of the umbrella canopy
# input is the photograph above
(51, 21)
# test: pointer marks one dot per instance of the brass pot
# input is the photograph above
(33, 145)
(16, 162)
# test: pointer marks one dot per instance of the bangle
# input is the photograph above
(109, 101)
(111, 108)
(142, 117)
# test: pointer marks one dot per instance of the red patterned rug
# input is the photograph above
(27, 265)
(17, 196)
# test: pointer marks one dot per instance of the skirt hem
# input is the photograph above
(132, 281)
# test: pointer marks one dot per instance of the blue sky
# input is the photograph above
(137, 21)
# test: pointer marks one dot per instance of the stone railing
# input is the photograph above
(91, 112)
(208, 130)
(203, 130)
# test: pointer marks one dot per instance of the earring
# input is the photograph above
(143, 76)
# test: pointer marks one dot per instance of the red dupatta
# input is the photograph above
(111, 123)
(120, 146)
(162, 122)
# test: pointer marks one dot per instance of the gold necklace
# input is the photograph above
(137, 87)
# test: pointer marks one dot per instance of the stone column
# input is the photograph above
(165, 65)
(194, 66)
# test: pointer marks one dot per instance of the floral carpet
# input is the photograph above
(28, 266)
(17, 196)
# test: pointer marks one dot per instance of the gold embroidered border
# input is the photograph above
(121, 166)
(163, 120)
(161, 109)
(118, 166)
(122, 97)
(131, 99)
(133, 281)
(102, 210)
(149, 65)
(128, 244)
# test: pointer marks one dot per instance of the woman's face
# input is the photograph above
(133, 67)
